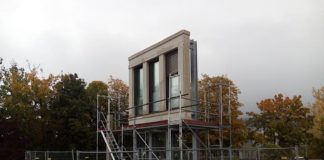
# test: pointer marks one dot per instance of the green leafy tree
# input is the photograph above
(71, 115)
(96, 88)
(282, 120)
(92, 90)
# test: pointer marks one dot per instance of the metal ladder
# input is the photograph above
(109, 138)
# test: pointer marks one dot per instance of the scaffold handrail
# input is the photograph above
(215, 115)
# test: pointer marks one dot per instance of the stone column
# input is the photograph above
(184, 72)
(146, 79)
(162, 82)
(184, 69)
(131, 92)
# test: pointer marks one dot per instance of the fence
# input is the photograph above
(214, 154)
(89, 155)
(50, 155)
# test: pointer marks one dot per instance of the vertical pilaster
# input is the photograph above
(162, 82)
(194, 77)
(131, 92)
(184, 68)
(146, 79)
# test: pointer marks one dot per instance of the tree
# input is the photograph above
(24, 99)
(118, 89)
(51, 113)
(282, 120)
(71, 115)
(96, 88)
(93, 89)
(317, 130)
(118, 92)
(210, 84)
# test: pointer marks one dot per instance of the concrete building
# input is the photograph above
(162, 78)
(158, 73)
(163, 106)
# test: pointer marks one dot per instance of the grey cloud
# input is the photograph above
(266, 47)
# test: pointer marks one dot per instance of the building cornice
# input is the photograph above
(182, 32)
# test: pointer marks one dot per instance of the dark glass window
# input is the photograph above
(172, 80)
(139, 90)
(154, 86)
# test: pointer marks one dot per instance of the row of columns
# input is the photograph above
(146, 79)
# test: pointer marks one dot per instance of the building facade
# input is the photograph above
(157, 75)
(162, 79)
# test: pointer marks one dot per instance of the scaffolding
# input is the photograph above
(211, 118)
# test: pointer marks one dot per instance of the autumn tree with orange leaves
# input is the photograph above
(210, 91)
(118, 93)
(282, 120)
(317, 145)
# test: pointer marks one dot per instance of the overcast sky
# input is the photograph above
(266, 47)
